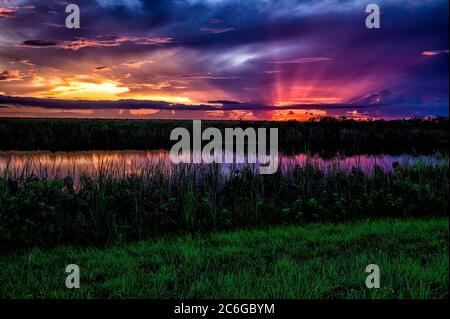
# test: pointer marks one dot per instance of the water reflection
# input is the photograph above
(61, 164)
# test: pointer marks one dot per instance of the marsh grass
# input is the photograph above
(315, 261)
(113, 206)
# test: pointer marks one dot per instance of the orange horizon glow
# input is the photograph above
(98, 86)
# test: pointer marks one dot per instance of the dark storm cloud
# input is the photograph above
(387, 103)
(248, 49)
(161, 105)
(38, 43)
(373, 105)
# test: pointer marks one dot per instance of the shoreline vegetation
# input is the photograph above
(325, 136)
(112, 207)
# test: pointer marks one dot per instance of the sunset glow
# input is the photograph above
(226, 61)
(107, 90)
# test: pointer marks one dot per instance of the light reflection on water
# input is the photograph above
(61, 164)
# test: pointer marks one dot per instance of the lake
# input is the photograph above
(74, 164)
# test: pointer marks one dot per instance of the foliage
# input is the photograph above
(326, 136)
(112, 207)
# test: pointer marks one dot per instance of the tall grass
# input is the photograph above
(112, 206)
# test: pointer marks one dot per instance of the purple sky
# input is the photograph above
(252, 59)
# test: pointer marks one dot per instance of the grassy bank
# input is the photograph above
(316, 261)
(327, 136)
(111, 208)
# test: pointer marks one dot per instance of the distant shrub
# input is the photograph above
(326, 136)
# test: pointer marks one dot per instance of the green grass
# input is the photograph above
(315, 261)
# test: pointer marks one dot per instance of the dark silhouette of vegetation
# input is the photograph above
(326, 136)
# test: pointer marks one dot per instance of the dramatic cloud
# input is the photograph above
(97, 42)
(10, 75)
(272, 59)
(38, 43)
(6, 13)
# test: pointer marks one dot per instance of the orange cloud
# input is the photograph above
(242, 115)
(76, 89)
(6, 13)
(164, 98)
(136, 64)
(297, 115)
(309, 100)
(111, 41)
(143, 112)
(11, 75)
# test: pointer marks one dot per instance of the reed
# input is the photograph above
(113, 206)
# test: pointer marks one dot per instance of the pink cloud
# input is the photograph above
(434, 52)
(6, 13)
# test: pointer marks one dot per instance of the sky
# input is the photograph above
(224, 59)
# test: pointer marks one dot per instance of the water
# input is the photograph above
(74, 164)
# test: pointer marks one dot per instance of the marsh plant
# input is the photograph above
(111, 205)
